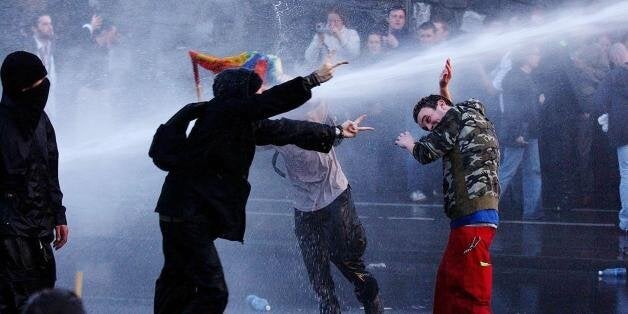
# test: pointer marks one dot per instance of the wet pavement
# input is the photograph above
(544, 266)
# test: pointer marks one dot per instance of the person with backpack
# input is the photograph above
(205, 192)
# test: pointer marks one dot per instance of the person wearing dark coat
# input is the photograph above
(31, 211)
(612, 95)
(205, 192)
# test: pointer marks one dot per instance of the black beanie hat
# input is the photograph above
(19, 70)
(238, 83)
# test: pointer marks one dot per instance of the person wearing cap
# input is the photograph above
(31, 212)
(206, 190)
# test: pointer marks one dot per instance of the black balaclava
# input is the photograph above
(21, 70)
(236, 83)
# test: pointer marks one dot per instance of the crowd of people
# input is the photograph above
(545, 99)
(555, 108)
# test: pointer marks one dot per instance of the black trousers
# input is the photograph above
(192, 279)
(335, 234)
(27, 265)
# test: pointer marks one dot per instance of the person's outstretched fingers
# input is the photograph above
(339, 64)
(359, 119)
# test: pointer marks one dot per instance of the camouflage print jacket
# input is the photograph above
(466, 140)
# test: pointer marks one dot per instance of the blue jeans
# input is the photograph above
(622, 156)
(528, 158)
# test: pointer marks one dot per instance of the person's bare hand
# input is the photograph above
(61, 236)
(391, 41)
(326, 70)
(351, 129)
(96, 22)
(446, 75)
(521, 141)
(405, 140)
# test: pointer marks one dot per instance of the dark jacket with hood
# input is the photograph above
(30, 197)
(211, 179)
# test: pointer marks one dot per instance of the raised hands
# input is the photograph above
(351, 129)
(446, 75)
(326, 70)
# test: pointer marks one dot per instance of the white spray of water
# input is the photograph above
(404, 72)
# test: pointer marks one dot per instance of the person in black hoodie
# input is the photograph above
(31, 212)
(205, 192)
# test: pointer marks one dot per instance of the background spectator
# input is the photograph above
(519, 140)
(397, 34)
(334, 36)
(442, 28)
(612, 95)
(426, 34)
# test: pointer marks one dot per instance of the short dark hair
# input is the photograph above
(54, 301)
(397, 7)
(339, 12)
(427, 26)
(442, 20)
(430, 101)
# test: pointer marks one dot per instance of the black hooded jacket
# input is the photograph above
(211, 180)
(30, 197)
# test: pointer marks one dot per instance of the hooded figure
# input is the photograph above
(30, 197)
(205, 192)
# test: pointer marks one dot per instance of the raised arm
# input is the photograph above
(445, 77)
(289, 95)
(304, 134)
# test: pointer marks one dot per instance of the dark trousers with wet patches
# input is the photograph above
(335, 234)
(192, 279)
(27, 265)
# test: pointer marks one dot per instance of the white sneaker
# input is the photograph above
(417, 196)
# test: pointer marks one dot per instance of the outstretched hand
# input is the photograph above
(351, 129)
(446, 75)
(405, 140)
(326, 70)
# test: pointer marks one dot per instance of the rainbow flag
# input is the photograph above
(268, 67)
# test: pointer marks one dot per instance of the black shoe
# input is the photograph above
(373, 307)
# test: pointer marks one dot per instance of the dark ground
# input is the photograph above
(547, 266)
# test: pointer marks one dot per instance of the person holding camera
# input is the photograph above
(333, 36)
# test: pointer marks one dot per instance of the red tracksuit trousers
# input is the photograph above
(465, 275)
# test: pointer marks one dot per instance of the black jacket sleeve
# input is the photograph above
(279, 99)
(304, 134)
(53, 167)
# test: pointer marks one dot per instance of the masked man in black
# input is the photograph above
(31, 213)
(206, 190)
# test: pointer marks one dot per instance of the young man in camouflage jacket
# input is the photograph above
(464, 137)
